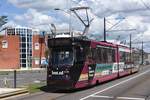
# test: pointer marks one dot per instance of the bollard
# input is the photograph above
(15, 79)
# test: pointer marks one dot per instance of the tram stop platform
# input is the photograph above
(7, 92)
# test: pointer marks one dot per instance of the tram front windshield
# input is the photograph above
(60, 56)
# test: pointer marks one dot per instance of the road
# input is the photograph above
(133, 87)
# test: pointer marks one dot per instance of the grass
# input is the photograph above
(33, 88)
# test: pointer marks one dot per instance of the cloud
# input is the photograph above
(40, 5)
(99, 8)
(11, 24)
(34, 19)
(107, 7)
(40, 13)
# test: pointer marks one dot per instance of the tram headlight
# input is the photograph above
(66, 72)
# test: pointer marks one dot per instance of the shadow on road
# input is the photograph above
(55, 90)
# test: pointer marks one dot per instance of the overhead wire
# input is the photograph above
(145, 4)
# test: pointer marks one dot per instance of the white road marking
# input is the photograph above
(122, 98)
(130, 98)
(100, 96)
(115, 85)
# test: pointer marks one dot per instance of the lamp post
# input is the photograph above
(130, 48)
(104, 29)
(142, 53)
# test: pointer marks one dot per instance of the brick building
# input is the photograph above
(38, 52)
(9, 52)
(20, 49)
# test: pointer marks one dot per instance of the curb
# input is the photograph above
(13, 93)
(19, 70)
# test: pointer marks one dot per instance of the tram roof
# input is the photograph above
(93, 42)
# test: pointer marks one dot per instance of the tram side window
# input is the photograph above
(109, 53)
(113, 55)
(99, 55)
(88, 52)
(127, 57)
(94, 54)
(105, 55)
(80, 54)
(122, 56)
(102, 55)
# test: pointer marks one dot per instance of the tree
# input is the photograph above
(3, 20)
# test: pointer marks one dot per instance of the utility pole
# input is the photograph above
(142, 53)
(130, 48)
(104, 29)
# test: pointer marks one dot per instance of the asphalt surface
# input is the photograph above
(132, 87)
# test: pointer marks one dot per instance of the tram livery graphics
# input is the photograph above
(77, 63)
(104, 69)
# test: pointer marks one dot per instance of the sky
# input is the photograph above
(132, 16)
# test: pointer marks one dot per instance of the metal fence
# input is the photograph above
(13, 79)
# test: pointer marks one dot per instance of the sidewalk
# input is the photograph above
(7, 92)
(30, 69)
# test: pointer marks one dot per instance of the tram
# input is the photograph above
(77, 63)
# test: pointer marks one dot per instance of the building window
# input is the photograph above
(36, 46)
(4, 44)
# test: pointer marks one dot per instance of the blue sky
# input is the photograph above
(9, 9)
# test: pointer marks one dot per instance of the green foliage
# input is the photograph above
(32, 88)
(47, 51)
